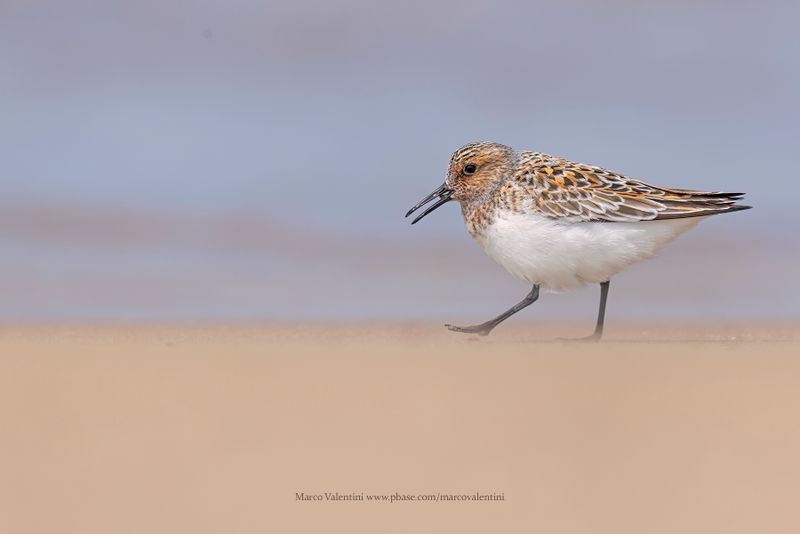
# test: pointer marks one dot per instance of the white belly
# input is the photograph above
(565, 255)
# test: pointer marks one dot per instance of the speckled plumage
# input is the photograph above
(561, 189)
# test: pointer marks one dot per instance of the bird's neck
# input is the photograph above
(478, 210)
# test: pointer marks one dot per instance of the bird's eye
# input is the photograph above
(470, 169)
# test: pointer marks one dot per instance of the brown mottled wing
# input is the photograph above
(564, 189)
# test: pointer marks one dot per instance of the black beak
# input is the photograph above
(444, 194)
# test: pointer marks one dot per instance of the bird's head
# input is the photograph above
(475, 171)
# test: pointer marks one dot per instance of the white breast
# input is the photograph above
(562, 255)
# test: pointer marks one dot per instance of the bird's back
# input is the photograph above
(559, 188)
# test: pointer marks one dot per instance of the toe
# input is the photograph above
(480, 330)
(588, 339)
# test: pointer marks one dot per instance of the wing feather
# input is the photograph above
(563, 189)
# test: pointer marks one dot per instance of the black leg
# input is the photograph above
(601, 313)
(601, 316)
(484, 328)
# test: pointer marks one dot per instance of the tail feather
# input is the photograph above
(700, 204)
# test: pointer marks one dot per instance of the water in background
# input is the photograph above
(252, 161)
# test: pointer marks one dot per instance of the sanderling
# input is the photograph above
(559, 225)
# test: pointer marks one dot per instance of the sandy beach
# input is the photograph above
(219, 428)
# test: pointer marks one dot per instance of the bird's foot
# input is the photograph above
(587, 339)
(480, 329)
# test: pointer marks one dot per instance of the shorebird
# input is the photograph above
(559, 225)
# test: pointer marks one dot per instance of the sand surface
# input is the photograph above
(212, 429)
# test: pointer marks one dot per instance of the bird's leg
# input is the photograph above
(601, 316)
(484, 328)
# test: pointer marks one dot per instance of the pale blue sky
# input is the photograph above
(253, 160)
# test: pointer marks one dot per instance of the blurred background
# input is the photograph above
(252, 160)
